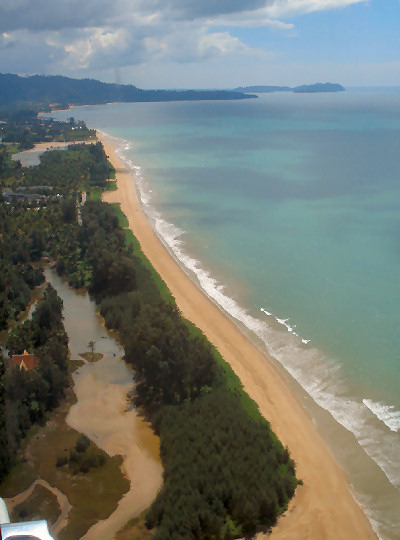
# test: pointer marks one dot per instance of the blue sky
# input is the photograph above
(204, 43)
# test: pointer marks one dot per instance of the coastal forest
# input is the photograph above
(226, 475)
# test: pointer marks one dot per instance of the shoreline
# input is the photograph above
(323, 507)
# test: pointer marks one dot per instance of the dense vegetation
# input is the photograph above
(26, 396)
(17, 276)
(25, 129)
(82, 457)
(62, 91)
(226, 474)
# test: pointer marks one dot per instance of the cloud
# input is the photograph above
(285, 8)
(97, 48)
(6, 41)
(39, 15)
(80, 37)
(194, 9)
(184, 44)
(24, 52)
(250, 19)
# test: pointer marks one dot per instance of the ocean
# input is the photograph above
(286, 211)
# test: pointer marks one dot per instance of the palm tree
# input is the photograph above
(92, 347)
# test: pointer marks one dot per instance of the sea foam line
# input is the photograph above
(290, 327)
(386, 413)
(320, 378)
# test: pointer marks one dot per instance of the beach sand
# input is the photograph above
(323, 507)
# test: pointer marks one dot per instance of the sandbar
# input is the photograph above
(323, 507)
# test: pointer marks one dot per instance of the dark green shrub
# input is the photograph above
(82, 444)
(61, 461)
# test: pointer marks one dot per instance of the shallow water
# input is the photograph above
(30, 158)
(285, 210)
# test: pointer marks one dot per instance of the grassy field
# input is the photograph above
(41, 504)
(94, 192)
(92, 357)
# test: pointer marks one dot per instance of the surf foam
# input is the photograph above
(386, 413)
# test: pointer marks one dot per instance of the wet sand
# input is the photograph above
(101, 413)
(323, 507)
(102, 410)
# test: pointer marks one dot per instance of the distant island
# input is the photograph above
(318, 87)
(58, 92)
(304, 89)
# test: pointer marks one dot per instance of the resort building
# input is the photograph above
(24, 361)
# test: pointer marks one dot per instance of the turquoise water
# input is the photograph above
(286, 210)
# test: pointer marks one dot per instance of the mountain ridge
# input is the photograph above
(57, 91)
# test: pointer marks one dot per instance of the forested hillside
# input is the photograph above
(58, 91)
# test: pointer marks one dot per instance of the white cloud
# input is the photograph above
(284, 8)
(191, 43)
(80, 37)
(250, 19)
(100, 47)
(219, 43)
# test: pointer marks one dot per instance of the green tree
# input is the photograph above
(92, 347)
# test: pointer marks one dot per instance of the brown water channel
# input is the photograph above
(102, 412)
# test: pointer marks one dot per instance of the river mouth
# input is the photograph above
(102, 411)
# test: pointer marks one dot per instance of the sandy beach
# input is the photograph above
(323, 507)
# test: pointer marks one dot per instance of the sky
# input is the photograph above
(204, 43)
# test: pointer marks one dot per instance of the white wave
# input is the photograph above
(284, 322)
(386, 413)
(143, 190)
(319, 377)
